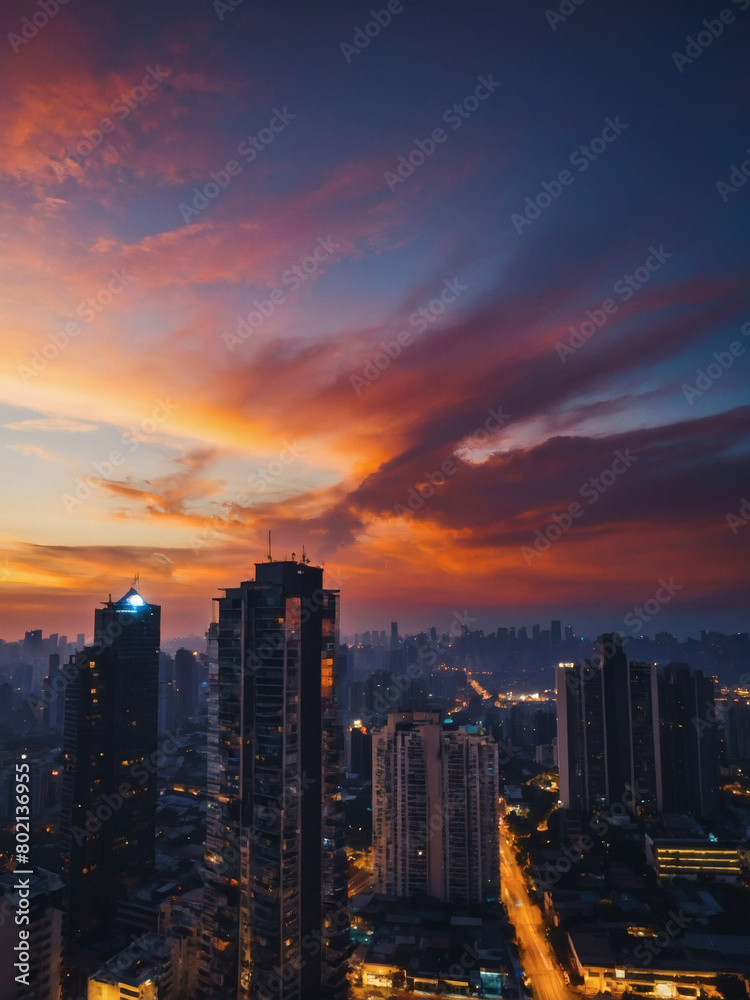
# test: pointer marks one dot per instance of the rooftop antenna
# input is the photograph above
(136, 581)
(270, 559)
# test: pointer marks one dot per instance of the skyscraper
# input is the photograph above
(276, 919)
(471, 849)
(109, 785)
(689, 740)
(407, 807)
(645, 740)
(607, 730)
(395, 640)
(188, 684)
(581, 737)
(435, 810)
(556, 633)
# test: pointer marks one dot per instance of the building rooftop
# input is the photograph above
(137, 963)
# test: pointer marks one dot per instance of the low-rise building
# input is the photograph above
(657, 964)
(693, 857)
(148, 969)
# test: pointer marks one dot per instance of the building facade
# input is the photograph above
(435, 810)
(609, 748)
(689, 740)
(110, 745)
(275, 916)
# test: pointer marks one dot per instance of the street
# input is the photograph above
(359, 881)
(537, 958)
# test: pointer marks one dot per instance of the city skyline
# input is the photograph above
(283, 816)
(452, 623)
(427, 298)
(391, 361)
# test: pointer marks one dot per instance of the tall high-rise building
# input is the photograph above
(689, 740)
(607, 730)
(580, 737)
(435, 810)
(167, 693)
(276, 904)
(645, 744)
(109, 786)
(395, 640)
(470, 799)
(556, 633)
(33, 653)
(187, 678)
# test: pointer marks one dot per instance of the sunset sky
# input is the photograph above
(148, 437)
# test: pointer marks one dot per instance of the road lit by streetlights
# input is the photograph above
(537, 958)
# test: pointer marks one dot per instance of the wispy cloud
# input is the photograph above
(53, 424)
(36, 451)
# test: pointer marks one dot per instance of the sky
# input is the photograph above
(425, 288)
